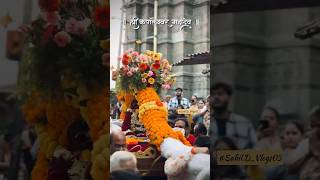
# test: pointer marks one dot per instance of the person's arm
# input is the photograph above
(252, 135)
(6, 160)
(171, 105)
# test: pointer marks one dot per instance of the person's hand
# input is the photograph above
(203, 150)
(262, 133)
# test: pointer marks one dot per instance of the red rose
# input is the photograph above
(102, 17)
(156, 66)
(49, 5)
(126, 57)
(125, 62)
(157, 61)
(143, 67)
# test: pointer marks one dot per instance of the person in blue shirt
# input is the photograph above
(178, 100)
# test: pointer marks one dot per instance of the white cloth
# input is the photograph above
(179, 157)
(199, 167)
(171, 147)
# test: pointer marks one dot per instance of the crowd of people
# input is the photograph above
(194, 124)
(297, 139)
(27, 153)
(209, 123)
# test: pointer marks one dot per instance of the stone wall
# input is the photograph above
(257, 53)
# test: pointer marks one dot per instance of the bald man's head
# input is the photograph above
(117, 140)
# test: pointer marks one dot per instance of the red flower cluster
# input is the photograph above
(143, 67)
(49, 5)
(155, 66)
(102, 17)
(125, 59)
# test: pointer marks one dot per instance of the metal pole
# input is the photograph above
(121, 33)
(155, 30)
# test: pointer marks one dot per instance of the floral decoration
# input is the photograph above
(68, 34)
(142, 70)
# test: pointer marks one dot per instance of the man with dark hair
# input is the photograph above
(178, 100)
(200, 129)
(226, 123)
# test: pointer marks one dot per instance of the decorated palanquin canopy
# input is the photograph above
(140, 76)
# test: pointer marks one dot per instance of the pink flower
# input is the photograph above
(125, 69)
(71, 25)
(81, 26)
(150, 73)
(62, 38)
(129, 73)
(134, 70)
(166, 86)
(135, 53)
(128, 51)
(105, 59)
(143, 58)
(144, 80)
(52, 17)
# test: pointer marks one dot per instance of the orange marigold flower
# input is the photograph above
(159, 103)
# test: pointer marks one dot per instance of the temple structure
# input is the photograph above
(174, 43)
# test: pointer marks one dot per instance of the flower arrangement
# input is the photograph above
(141, 75)
(142, 70)
(68, 51)
(70, 35)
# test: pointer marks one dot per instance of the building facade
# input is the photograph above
(257, 53)
(173, 42)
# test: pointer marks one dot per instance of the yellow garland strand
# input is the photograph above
(96, 115)
(100, 158)
(127, 99)
(154, 116)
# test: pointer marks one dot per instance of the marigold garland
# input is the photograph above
(100, 158)
(34, 108)
(59, 116)
(154, 116)
(96, 115)
(40, 169)
(51, 133)
(126, 99)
